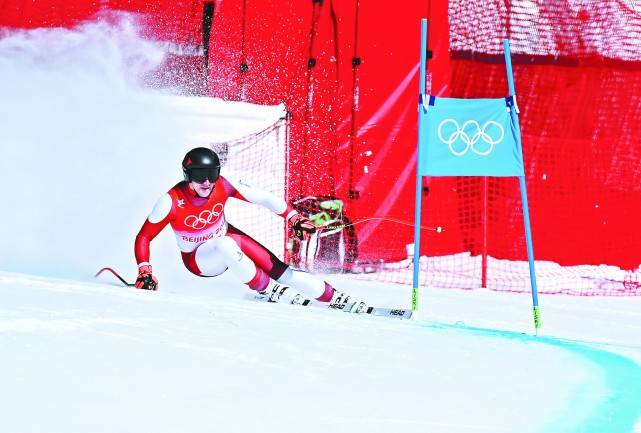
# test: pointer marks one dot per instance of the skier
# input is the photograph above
(210, 245)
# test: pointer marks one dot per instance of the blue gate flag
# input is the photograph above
(469, 137)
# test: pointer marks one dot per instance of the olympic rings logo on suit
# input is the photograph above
(470, 141)
(205, 218)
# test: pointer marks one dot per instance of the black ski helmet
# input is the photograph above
(201, 163)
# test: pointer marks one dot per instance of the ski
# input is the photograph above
(398, 313)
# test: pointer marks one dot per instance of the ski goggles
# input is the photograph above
(200, 175)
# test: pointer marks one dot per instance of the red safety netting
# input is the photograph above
(578, 80)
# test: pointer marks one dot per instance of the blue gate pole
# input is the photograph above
(419, 177)
(526, 212)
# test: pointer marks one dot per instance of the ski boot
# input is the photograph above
(276, 292)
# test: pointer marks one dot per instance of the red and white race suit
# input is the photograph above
(210, 245)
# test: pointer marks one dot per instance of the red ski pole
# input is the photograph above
(116, 275)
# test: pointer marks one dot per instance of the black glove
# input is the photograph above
(146, 280)
(303, 227)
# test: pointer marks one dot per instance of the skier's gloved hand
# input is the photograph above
(146, 280)
(302, 226)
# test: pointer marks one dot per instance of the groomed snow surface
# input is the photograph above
(85, 154)
(94, 357)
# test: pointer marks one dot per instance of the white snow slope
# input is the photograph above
(85, 153)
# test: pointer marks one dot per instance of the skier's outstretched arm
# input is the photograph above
(241, 190)
(157, 220)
